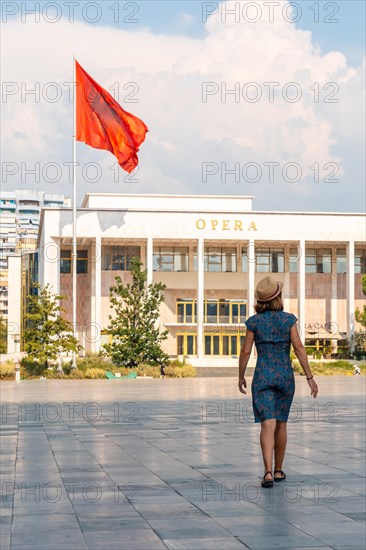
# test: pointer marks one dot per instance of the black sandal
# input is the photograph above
(267, 483)
(282, 478)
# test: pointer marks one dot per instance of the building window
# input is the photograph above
(341, 260)
(82, 261)
(81, 265)
(269, 260)
(171, 258)
(318, 260)
(238, 311)
(119, 258)
(215, 343)
(218, 260)
(186, 344)
(293, 259)
(244, 260)
(211, 311)
(215, 311)
(186, 310)
(65, 262)
(360, 261)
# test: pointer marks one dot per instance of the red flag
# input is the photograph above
(102, 123)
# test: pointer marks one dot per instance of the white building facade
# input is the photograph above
(210, 252)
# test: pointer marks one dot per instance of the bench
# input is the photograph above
(111, 376)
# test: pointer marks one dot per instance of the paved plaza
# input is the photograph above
(176, 463)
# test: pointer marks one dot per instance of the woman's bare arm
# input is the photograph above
(244, 357)
(300, 353)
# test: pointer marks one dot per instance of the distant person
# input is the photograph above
(273, 386)
(162, 372)
(357, 370)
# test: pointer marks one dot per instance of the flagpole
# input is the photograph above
(74, 243)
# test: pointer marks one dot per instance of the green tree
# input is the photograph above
(136, 338)
(360, 316)
(3, 335)
(47, 333)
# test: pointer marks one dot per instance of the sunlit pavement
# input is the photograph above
(150, 464)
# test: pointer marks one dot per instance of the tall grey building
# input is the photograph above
(19, 221)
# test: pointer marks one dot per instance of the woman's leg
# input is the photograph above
(280, 437)
(267, 443)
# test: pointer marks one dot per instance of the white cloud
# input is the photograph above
(170, 72)
(185, 19)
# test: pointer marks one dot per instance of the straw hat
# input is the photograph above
(268, 289)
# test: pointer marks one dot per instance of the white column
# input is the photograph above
(14, 303)
(333, 301)
(301, 288)
(351, 292)
(50, 257)
(96, 295)
(251, 277)
(200, 296)
(149, 259)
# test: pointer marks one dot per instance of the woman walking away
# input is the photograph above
(273, 386)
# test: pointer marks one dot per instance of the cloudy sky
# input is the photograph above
(241, 98)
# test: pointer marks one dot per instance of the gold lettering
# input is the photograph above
(200, 224)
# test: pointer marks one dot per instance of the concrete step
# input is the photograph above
(217, 372)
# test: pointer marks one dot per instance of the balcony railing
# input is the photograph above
(211, 319)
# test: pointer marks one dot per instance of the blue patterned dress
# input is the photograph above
(273, 384)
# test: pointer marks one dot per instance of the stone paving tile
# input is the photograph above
(332, 529)
(4, 541)
(251, 526)
(5, 524)
(131, 539)
(113, 524)
(30, 522)
(162, 511)
(181, 475)
(193, 527)
(71, 539)
(270, 542)
(207, 543)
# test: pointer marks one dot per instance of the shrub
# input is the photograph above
(329, 368)
(147, 370)
(66, 367)
(53, 375)
(24, 373)
(177, 363)
(93, 360)
(180, 372)
(297, 368)
(76, 374)
(32, 368)
(94, 373)
(7, 370)
(341, 363)
(185, 372)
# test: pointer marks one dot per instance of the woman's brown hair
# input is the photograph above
(274, 305)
